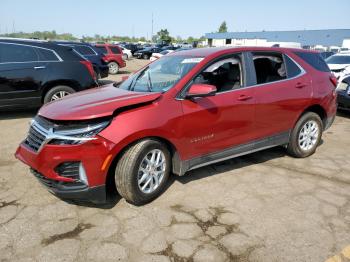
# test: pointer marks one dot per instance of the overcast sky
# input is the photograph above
(181, 17)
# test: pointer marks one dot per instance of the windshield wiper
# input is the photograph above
(150, 88)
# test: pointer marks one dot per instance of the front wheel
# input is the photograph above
(142, 171)
(145, 56)
(306, 136)
(113, 68)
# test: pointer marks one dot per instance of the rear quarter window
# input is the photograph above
(115, 50)
(47, 55)
(84, 50)
(315, 60)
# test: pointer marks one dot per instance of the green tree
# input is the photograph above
(223, 27)
(163, 35)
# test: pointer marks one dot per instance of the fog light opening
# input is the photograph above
(82, 174)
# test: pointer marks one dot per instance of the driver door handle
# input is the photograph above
(39, 67)
(300, 85)
(244, 98)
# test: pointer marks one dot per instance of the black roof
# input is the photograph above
(65, 52)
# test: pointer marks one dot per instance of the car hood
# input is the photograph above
(94, 103)
(337, 66)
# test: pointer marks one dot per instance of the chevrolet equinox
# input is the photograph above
(186, 110)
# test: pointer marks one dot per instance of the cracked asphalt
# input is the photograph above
(265, 206)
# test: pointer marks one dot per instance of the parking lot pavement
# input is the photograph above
(265, 206)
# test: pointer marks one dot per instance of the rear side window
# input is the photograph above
(46, 55)
(115, 50)
(12, 53)
(315, 60)
(292, 69)
(84, 50)
(102, 49)
(269, 67)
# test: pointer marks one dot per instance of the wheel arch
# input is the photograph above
(70, 83)
(317, 109)
(175, 160)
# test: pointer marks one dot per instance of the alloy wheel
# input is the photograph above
(151, 171)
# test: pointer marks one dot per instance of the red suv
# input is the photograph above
(113, 56)
(186, 110)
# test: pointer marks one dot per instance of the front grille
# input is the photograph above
(37, 133)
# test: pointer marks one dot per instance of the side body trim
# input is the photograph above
(183, 166)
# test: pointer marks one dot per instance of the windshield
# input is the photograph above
(160, 75)
(338, 59)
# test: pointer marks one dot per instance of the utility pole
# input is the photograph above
(13, 26)
(152, 28)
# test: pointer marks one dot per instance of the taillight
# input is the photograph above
(334, 80)
(89, 67)
(104, 59)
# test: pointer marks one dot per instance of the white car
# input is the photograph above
(126, 53)
(156, 56)
(339, 64)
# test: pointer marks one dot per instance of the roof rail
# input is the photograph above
(23, 39)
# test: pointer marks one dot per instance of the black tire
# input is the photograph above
(113, 68)
(145, 56)
(126, 173)
(56, 90)
(293, 148)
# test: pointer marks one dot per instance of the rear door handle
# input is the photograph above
(244, 98)
(39, 67)
(300, 85)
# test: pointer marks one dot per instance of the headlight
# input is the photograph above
(77, 134)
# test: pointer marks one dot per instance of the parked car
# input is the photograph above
(169, 47)
(126, 53)
(186, 110)
(156, 56)
(132, 47)
(147, 52)
(326, 54)
(36, 72)
(113, 56)
(92, 54)
(338, 62)
(343, 91)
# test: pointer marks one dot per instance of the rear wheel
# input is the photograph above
(113, 68)
(57, 93)
(306, 135)
(142, 172)
(145, 56)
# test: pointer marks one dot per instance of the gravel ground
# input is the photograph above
(265, 206)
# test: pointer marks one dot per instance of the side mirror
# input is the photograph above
(201, 90)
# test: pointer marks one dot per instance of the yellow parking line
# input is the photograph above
(335, 258)
(346, 252)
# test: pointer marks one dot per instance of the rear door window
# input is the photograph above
(13, 53)
(293, 69)
(269, 67)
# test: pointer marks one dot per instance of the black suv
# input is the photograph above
(91, 53)
(36, 72)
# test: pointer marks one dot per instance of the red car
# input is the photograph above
(186, 110)
(113, 56)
